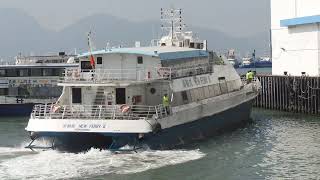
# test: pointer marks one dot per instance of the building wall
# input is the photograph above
(295, 49)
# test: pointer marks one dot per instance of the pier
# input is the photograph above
(299, 94)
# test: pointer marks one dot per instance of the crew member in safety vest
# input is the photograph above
(249, 76)
(166, 103)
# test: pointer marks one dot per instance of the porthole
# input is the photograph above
(152, 90)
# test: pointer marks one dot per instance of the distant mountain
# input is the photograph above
(22, 33)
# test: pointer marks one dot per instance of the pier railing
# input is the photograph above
(139, 75)
(98, 112)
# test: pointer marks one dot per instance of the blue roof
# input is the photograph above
(183, 54)
(300, 21)
(120, 50)
(163, 55)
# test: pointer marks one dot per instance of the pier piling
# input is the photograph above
(299, 94)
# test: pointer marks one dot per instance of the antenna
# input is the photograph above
(172, 21)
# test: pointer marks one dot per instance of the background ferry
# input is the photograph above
(31, 80)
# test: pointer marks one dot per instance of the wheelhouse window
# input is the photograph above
(184, 96)
(140, 60)
(76, 95)
(85, 65)
(99, 60)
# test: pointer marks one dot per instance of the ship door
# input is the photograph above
(120, 96)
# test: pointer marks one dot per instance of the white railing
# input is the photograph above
(140, 75)
(98, 112)
(106, 75)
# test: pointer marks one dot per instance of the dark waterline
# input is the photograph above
(275, 146)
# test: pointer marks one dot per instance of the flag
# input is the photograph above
(92, 61)
(90, 50)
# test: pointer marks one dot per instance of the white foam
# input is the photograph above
(57, 165)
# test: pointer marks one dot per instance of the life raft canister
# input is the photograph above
(124, 108)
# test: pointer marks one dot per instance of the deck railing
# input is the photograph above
(139, 75)
(98, 112)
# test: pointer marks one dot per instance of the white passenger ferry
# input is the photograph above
(31, 80)
(116, 99)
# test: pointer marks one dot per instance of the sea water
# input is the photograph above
(274, 146)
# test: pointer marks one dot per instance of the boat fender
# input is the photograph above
(156, 128)
(124, 108)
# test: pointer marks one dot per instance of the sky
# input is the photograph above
(239, 18)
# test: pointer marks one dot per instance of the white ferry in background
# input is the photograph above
(31, 80)
(231, 57)
(115, 97)
(246, 62)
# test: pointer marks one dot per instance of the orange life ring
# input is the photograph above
(55, 108)
(124, 108)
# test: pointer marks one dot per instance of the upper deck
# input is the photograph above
(104, 76)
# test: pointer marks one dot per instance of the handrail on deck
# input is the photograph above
(148, 74)
(98, 112)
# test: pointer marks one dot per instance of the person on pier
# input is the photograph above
(249, 76)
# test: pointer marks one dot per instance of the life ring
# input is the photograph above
(55, 108)
(124, 108)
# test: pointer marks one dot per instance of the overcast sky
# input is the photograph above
(236, 17)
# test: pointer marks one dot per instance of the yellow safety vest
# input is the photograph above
(250, 75)
(247, 75)
(165, 101)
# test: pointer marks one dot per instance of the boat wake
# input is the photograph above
(57, 165)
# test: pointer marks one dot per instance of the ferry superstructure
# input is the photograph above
(31, 80)
(115, 97)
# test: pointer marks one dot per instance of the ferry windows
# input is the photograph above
(85, 65)
(23, 92)
(23, 72)
(76, 95)
(140, 60)
(99, 60)
(4, 91)
(206, 92)
(47, 72)
(36, 72)
(12, 73)
(2, 72)
(57, 72)
(184, 96)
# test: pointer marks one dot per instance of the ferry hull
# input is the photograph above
(16, 109)
(163, 139)
(200, 129)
